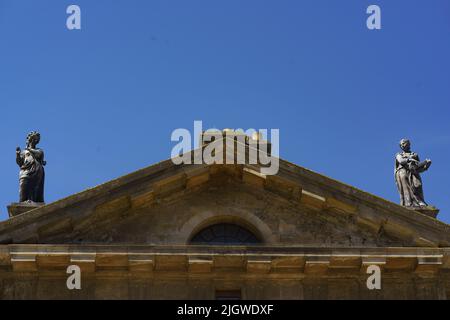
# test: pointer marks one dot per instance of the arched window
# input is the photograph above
(225, 233)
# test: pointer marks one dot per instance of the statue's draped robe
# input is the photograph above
(407, 177)
(32, 175)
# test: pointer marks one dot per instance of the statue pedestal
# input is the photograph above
(14, 209)
(428, 210)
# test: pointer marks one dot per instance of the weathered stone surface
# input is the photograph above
(367, 261)
(14, 209)
(165, 262)
(313, 200)
(428, 211)
(121, 204)
(259, 265)
(86, 261)
(141, 262)
(293, 264)
(200, 264)
(428, 264)
(253, 178)
(24, 262)
(60, 226)
(340, 206)
(228, 263)
(53, 261)
(143, 200)
(317, 264)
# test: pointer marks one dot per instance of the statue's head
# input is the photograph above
(33, 138)
(405, 145)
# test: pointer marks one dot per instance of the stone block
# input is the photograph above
(259, 264)
(428, 264)
(289, 264)
(15, 209)
(317, 264)
(401, 263)
(228, 263)
(143, 200)
(23, 262)
(53, 261)
(312, 200)
(372, 260)
(341, 206)
(428, 211)
(141, 262)
(170, 183)
(86, 261)
(253, 178)
(118, 205)
(111, 260)
(200, 264)
(171, 263)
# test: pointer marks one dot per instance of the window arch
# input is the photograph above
(225, 234)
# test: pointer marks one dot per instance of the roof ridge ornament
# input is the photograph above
(228, 146)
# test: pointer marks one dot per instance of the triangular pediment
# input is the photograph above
(165, 204)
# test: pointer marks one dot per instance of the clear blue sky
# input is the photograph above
(107, 98)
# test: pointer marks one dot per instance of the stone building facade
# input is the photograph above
(224, 232)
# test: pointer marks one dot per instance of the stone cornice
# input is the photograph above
(207, 259)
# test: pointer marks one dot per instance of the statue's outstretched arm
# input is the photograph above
(19, 157)
(424, 165)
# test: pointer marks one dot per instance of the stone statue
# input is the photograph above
(32, 174)
(407, 176)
